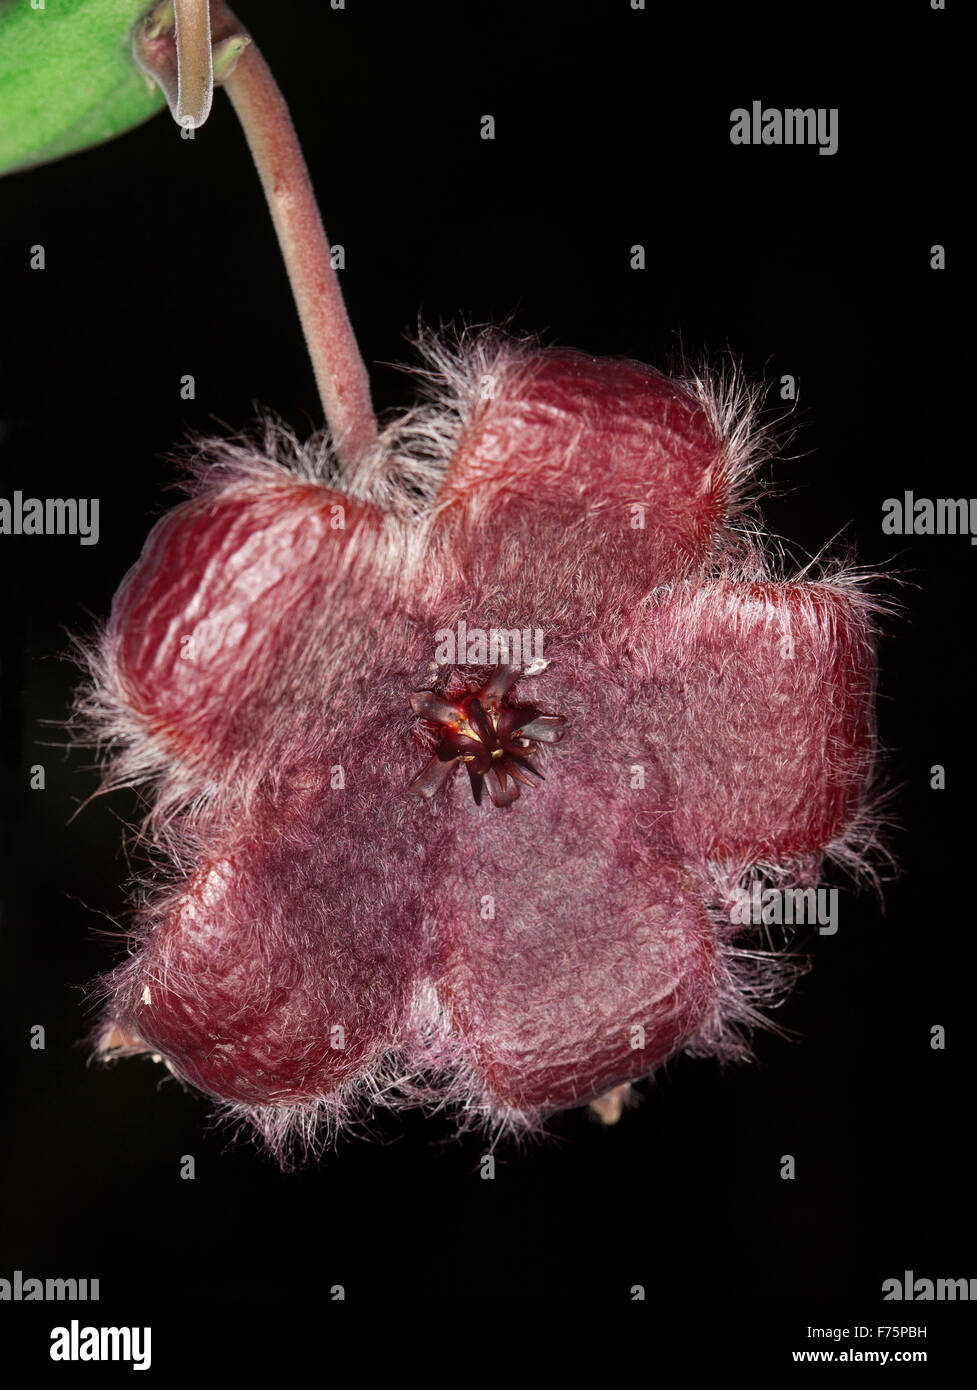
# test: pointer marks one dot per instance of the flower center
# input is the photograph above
(489, 734)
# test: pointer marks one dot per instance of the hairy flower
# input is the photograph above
(332, 934)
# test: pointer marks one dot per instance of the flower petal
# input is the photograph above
(214, 628)
(269, 980)
(591, 972)
(760, 702)
(627, 472)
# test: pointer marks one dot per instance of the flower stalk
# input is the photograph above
(187, 51)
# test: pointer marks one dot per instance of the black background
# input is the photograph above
(612, 129)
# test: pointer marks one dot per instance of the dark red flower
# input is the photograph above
(333, 933)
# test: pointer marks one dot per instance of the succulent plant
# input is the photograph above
(337, 921)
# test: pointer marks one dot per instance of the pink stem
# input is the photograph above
(340, 373)
(186, 66)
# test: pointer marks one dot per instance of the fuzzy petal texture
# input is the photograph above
(277, 974)
(345, 917)
(597, 465)
(763, 695)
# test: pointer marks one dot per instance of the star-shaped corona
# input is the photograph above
(492, 739)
